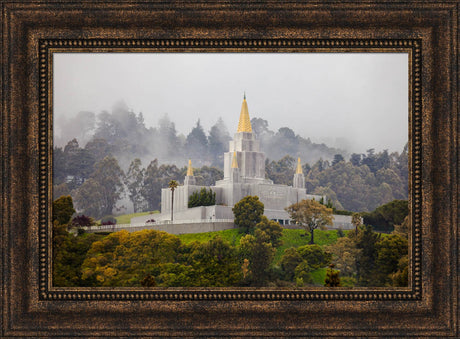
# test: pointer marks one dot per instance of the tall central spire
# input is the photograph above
(244, 125)
(299, 167)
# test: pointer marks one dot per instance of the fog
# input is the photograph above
(350, 101)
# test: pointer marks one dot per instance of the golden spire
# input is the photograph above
(299, 167)
(244, 125)
(234, 161)
(189, 169)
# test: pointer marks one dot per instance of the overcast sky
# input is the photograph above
(324, 96)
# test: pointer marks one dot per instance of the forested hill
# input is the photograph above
(114, 156)
(361, 183)
(124, 134)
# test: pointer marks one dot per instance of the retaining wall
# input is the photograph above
(182, 228)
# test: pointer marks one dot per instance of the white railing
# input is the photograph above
(161, 223)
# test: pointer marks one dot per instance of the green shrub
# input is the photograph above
(384, 217)
(202, 198)
(303, 272)
(315, 256)
(289, 261)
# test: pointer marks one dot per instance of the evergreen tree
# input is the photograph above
(248, 213)
(167, 143)
(355, 159)
(366, 241)
(272, 229)
(133, 181)
(63, 210)
(337, 158)
(78, 163)
(260, 253)
(202, 198)
(389, 250)
(196, 145)
(387, 215)
(110, 177)
(218, 142)
(151, 187)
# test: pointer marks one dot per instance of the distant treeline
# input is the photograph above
(123, 134)
(360, 184)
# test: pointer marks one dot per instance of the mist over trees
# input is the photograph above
(144, 159)
(124, 135)
(284, 142)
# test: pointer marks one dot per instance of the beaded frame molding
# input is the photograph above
(34, 30)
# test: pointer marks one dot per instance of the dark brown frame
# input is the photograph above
(33, 30)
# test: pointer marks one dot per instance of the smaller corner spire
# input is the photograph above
(299, 167)
(189, 169)
(234, 161)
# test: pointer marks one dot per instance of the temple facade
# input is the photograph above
(244, 174)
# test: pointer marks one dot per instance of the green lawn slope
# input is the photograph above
(296, 238)
(126, 218)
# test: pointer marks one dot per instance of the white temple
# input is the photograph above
(244, 174)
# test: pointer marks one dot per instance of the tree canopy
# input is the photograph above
(386, 216)
(63, 209)
(98, 195)
(259, 252)
(310, 214)
(248, 213)
(133, 181)
(124, 259)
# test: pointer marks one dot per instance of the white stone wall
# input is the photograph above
(195, 213)
(182, 228)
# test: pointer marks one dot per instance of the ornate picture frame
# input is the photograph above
(33, 31)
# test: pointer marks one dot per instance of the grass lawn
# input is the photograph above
(296, 238)
(126, 218)
(319, 276)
